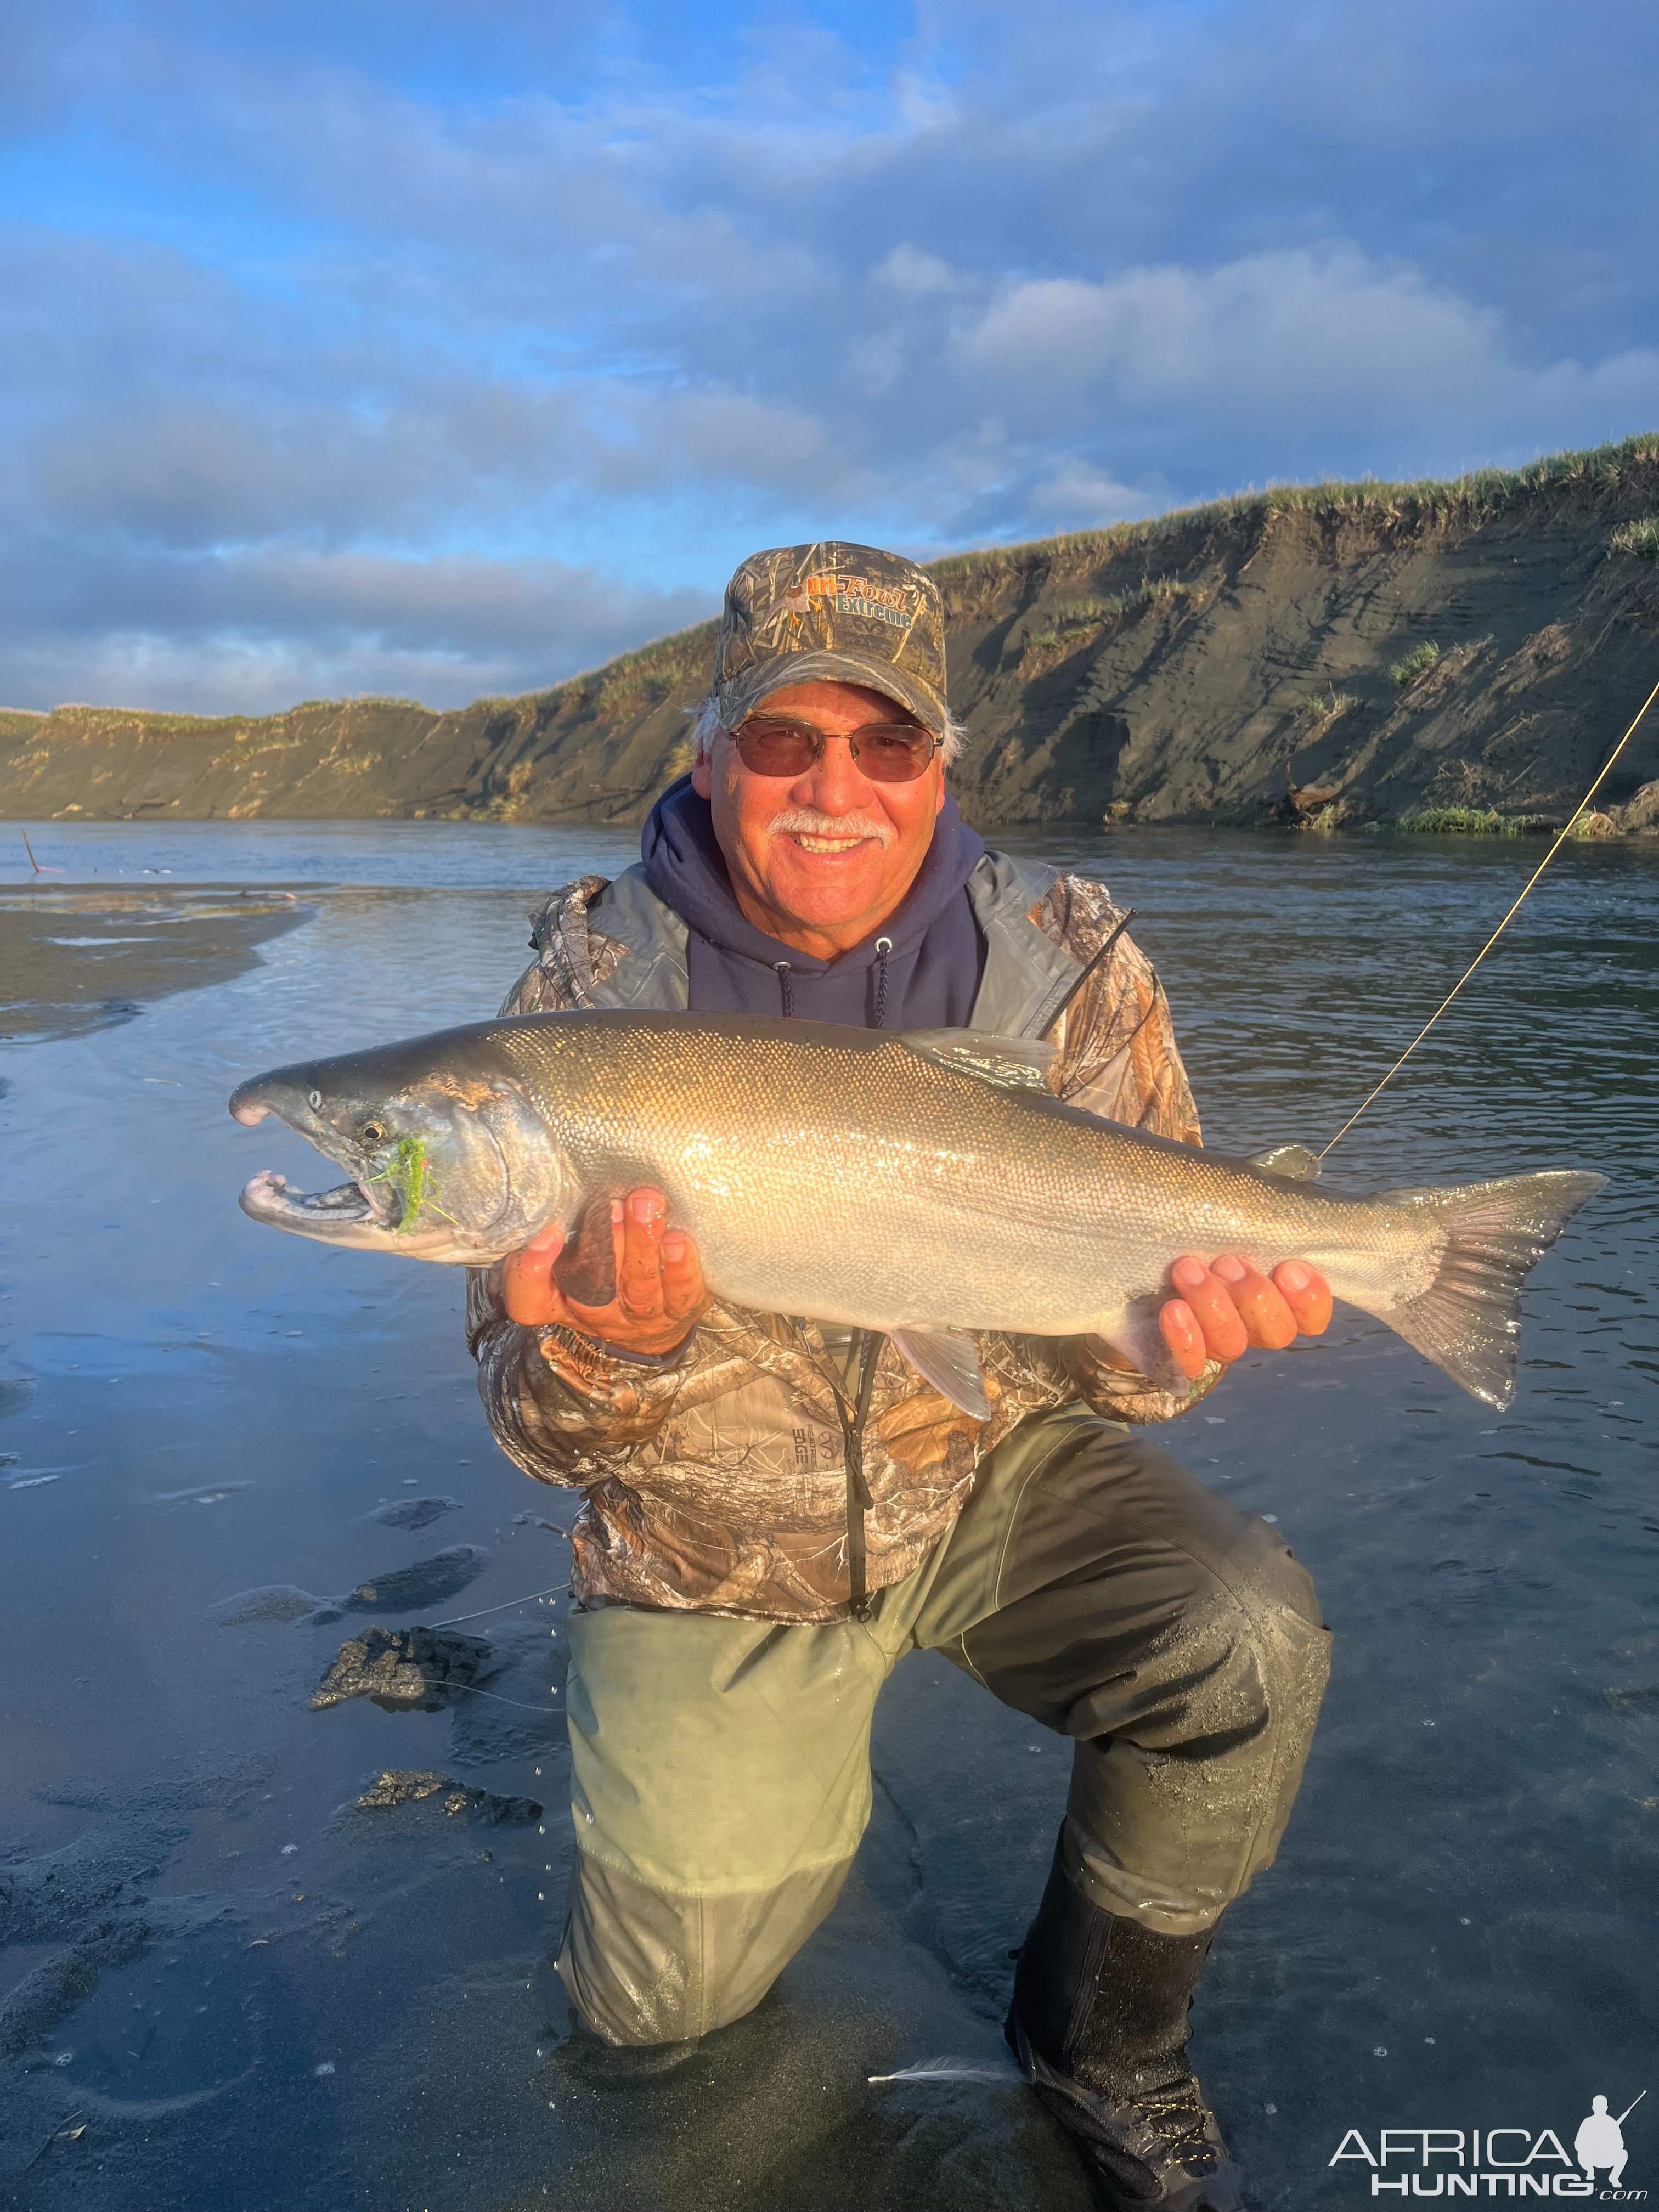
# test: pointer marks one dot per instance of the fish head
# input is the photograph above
(444, 1165)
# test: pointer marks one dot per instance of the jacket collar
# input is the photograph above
(1027, 978)
(652, 972)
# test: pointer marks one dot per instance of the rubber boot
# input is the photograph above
(1098, 2024)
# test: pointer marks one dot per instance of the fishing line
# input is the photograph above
(554, 1589)
(476, 1692)
(955, 2069)
(1554, 848)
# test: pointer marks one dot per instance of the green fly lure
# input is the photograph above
(412, 1179)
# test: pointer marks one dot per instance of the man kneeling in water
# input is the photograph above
(744, 1470)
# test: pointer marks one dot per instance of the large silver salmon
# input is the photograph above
(924, 1185)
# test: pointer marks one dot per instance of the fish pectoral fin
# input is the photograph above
(1294, 1162)
(1008, 1063)
(949, 1359)
(1136, 1337)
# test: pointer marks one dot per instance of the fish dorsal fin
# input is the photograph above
(1008, 1062)
(1294, 1162)
(949, 1359)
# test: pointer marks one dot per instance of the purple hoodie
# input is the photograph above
(920, 970)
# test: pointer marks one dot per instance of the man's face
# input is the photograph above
(821, 859)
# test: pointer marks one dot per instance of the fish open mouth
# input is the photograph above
(269, 1197)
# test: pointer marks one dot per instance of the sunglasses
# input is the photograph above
(886, 752)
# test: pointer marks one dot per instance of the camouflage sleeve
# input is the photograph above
(560, 1406)
(1117, 1057)
(529, 994)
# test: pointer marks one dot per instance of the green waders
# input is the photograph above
(720, 1768)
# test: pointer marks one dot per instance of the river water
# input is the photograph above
(227, 1987)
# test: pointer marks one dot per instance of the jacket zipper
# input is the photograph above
(859, 1499)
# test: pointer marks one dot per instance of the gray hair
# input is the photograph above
(709, 725)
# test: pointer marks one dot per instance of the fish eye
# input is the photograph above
(316, 1100)
(372, 1132)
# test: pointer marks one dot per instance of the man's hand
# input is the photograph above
(1219, 1309)
(628, 1278)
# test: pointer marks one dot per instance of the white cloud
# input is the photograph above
(1076, 496)
(1298, 340)
(916, 275)
(257, 629)
(1273, 326)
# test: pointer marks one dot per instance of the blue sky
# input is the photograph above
(443, 349)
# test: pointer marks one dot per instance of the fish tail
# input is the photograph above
(1468, 1321)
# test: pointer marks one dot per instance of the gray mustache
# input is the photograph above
(811, 824)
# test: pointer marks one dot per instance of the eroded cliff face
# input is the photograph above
(1263, 659)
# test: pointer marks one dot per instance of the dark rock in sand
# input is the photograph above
(32, 2007)
(411, 1787)
(413, 1512)
(279, 1601)
(428, 1582)
(408, 1670)
(1632, 1701)
(402, 1787)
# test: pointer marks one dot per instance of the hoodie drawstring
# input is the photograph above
(785, 974)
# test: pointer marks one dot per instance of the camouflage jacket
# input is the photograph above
(715, 1478)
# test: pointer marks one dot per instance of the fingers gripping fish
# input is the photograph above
(926, 1185)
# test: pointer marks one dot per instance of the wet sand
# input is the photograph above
(228, 1981)
(74, 957)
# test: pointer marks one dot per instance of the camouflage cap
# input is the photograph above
(831, 613)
